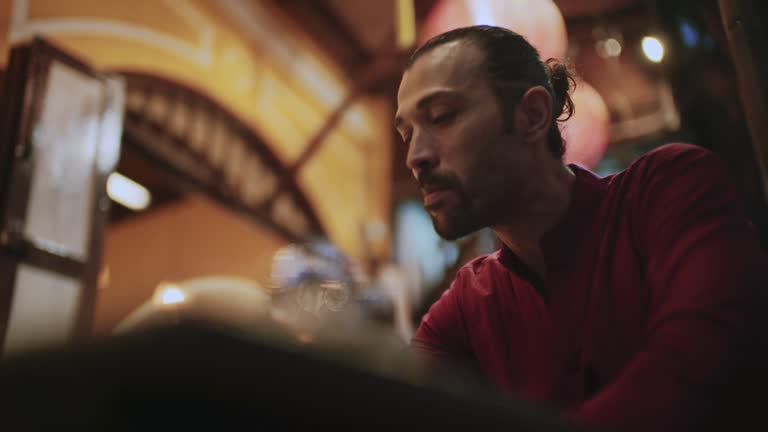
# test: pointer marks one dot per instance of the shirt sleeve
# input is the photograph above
(706, 276)
(441, 336)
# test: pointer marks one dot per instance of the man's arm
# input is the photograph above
(706, 278)
(441, 338)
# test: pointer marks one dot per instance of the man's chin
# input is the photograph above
(451, 235)
(454, 229)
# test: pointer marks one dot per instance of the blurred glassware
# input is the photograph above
(316, 274)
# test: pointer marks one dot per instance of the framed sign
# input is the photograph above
(60, 132)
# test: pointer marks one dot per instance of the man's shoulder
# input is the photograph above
(476, 274)
(673, 159)
(672, 151)
(483, 264)
(676, 166)
(675, 183)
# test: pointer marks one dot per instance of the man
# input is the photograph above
(629, 301)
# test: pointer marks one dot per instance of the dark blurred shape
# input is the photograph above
(743, 21)
(196, 376)
(704, 80)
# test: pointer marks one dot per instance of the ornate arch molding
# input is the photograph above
(206, 144)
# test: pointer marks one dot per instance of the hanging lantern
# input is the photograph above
(587, 132)
(539, 21)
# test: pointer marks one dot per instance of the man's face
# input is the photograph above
(470, 166)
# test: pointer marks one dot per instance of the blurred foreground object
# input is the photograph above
(314, 286)
(197, 376)
(223, 300)
(315, 299)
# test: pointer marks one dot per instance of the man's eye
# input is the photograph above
(443, 118)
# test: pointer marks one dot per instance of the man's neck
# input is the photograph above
(548, 205)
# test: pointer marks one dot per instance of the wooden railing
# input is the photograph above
(202, 141)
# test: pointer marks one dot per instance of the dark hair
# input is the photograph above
(513, 66)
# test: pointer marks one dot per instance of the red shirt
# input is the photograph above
(645, 319)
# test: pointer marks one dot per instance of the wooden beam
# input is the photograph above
(338, 40)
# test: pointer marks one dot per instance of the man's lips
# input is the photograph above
(434, 196)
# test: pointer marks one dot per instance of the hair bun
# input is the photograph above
(562, 80)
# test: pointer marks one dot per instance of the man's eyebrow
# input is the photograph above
(426, 100)
(437, 94)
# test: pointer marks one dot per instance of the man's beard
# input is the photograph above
(454, 222)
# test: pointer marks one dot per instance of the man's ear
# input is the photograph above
(533, 115)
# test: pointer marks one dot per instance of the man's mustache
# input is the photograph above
(432, 181)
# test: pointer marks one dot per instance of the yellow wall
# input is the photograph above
(282, 85)
(191, 238)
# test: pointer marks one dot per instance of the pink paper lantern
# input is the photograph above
(587, 132)
(539, 21)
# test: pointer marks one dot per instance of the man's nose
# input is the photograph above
(422, 153)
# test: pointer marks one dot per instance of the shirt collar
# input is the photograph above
(586, 194)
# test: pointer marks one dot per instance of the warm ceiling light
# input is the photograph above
(612, 47)
(608, 48)
(653, 49)
(127, 192)
(169, 294)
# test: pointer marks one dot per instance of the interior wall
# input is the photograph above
(190, 238)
